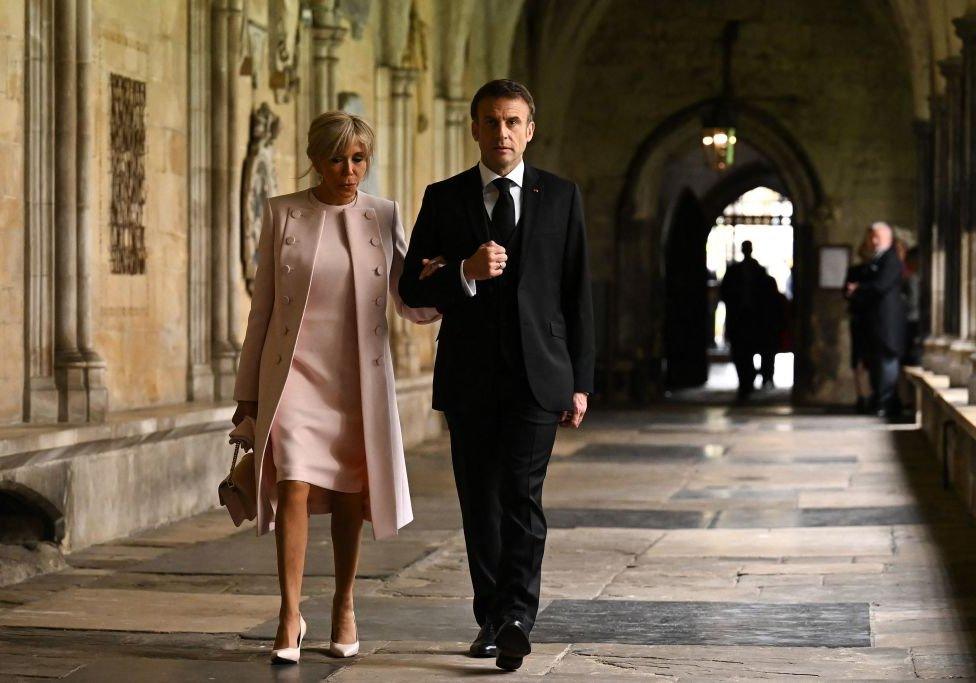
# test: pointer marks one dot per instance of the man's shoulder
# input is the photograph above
(550, 179)
(454, 183)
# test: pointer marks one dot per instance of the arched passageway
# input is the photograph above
(826, 103)
(667, 208)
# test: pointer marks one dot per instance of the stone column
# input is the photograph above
(97, 392)
(924, 216)
(68, 360)
(937, 344)
(958, 365)
(402, 132)
(41, 393)
(456, 123)
(327, 36)
(966, 348)
(224, 356)
(200, 380)
(234, 165)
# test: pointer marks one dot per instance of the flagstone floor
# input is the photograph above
(685, 543)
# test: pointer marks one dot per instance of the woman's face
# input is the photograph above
(342, 173)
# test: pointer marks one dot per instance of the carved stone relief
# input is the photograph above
(258, 184)
(128, 150)
(356, 12)
(285, 16)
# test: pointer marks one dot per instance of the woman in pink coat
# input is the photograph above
(316, 373)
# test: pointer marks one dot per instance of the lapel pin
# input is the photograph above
(535, 189)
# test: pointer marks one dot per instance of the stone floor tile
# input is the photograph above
(431, 662)
(151, 670)
(945, 666)
(143, 610)
(208, 526)
(772, 542)
(601, 661)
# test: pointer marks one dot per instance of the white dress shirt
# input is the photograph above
(490, 196)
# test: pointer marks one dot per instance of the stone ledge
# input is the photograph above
(941, 407)
(142, 468)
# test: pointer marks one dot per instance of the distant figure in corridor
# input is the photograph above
(858, 333)
(753, 319)
(879, 295)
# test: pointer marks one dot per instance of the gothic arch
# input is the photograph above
(636, 331)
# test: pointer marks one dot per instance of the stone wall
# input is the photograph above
(140, 319)
(11, 209)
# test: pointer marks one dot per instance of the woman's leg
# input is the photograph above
(291, 538)
(347, 525)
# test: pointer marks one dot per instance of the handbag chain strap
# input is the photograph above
(233, 463)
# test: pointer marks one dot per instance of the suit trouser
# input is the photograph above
(500, 456)
(883, 371)
(745, 366)
(767, 366)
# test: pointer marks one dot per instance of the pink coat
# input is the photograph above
(289, 236)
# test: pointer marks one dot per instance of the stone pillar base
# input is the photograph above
(97, 391)
(960, 366)
(72, 392)
(407, 359)
(42, 400)
(224, 375)
(971, 384)
(935, 356)
(200, 382)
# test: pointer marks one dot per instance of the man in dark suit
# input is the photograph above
(879, 296)
(745, 291)
(500, 250)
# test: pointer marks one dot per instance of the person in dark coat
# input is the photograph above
(859, 355)
(879, 295)
(745, 291)
(774, 320)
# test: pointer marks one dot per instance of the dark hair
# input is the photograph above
(503, 88)
(747, 247)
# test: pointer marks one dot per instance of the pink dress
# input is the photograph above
(317, 435)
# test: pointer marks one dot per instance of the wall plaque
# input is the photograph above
(128, 151)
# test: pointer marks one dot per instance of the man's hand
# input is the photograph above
(431, 266)
(851, 288)
(574, 418)
(486, 263)
(245, 409)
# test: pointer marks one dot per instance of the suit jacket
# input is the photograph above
(288, 242)
(879, 298)
(745, 291)
(555, 307)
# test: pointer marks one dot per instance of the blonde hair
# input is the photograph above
(335, 131)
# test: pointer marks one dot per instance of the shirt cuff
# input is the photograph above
(469, 286)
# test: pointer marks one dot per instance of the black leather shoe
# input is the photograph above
(484, 644)
(513, 645)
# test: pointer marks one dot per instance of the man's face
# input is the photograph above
(881, 238)
(502, 130)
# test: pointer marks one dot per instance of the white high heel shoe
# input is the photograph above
(291, 655)
(344, 649)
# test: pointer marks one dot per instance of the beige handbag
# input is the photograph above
(238, 490)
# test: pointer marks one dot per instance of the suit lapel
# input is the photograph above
(531, 196)
(474, 206)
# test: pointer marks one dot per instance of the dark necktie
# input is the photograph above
(503, 215)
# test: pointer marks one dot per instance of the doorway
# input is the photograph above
(763, 218)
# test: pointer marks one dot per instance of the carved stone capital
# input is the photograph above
(402, 81)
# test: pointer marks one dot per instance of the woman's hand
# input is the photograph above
(431, 266)
(245, 409)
